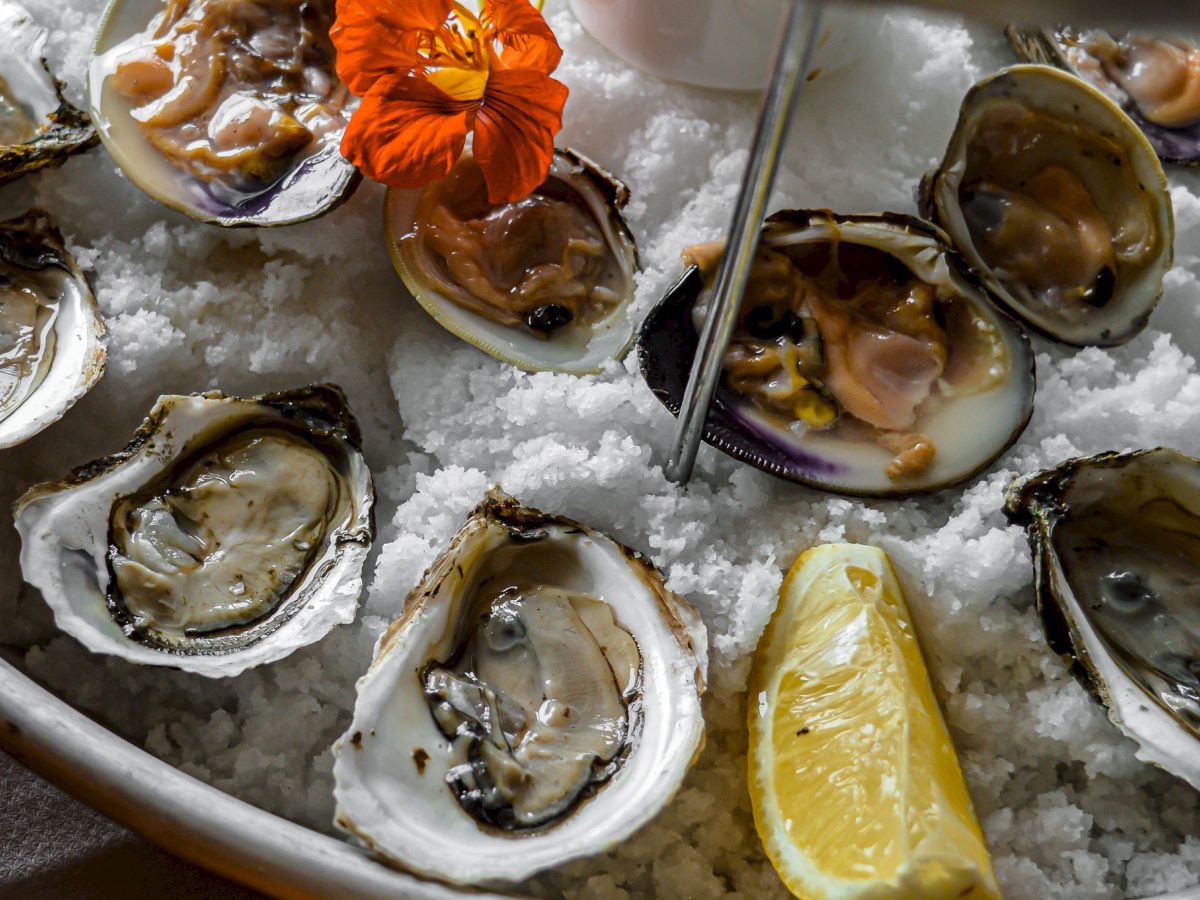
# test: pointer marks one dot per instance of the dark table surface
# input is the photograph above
(52, 846)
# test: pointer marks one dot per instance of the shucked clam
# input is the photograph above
(1155, 79)
(1056, 199)
(863, 361)
(51, 334)
(38, 127)
(1116, 555)
(228, 533)
(542, 283)
(537, 700)
(231, 113)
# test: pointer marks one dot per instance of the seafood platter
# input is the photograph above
(342, 344)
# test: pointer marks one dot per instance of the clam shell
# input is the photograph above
(64, 528)
(315, 184)
(63, 129)
(390, 765)
(1059, 95)
(1180, 146)
(668, 341)
(1165, 486)
(33, 242)
(608, 339)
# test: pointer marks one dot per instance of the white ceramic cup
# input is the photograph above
(725, 44)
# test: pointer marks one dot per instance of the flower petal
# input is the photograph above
(406, 132)
(528, 41)
(375, 38)
(405, 15)
(515, 129)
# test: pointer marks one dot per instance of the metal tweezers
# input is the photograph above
(801, 29)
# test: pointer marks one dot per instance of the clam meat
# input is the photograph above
(38, 126)
(51, 335)
(229, 532)
(542, 283)
(1154, 78)
(1055, 198)
(228, 110)
(858, 354)
(537, 700)
(1116, 549)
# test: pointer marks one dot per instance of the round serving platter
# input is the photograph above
(188, 817)
(181, 814)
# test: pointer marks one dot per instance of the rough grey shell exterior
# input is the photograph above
(33, 243)
(63, 128)
(65, 529)
(1115, 540)
(391, 766)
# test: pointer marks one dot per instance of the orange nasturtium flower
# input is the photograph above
(431, 71)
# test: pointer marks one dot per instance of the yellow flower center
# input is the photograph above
(458, 57)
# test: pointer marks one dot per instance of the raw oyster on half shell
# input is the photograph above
(229, 112)
(38, 127)
(863, 360)
(542, 283)
(538, 700)
(1055, 198)
(1116, 555)
(51, 334)
(228, 533)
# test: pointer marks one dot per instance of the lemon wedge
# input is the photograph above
(856, 787)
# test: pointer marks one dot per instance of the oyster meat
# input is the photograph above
(1116, 550)
(228, 110)
(51, 334)
(1054, 197)
(858, 355)
(529, 759)
(227, 534)
(38, 127)
(1154, 78)
(538, 700)
(542, 283)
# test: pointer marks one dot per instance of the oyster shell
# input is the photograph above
(543, 283)
(1037, 151)
(228, 533)
(229, 113)
(537, 700)
(821, 336)
(1156, 80)
(51, 334)
(1116, 555)
(38, 127)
